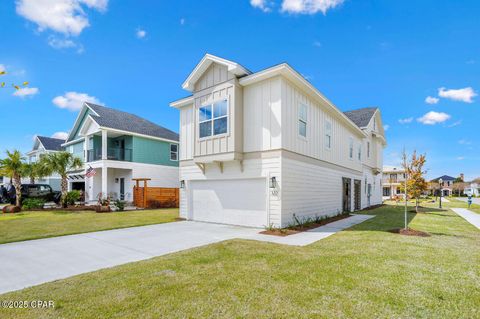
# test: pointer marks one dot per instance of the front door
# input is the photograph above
(122, 188)
(347, 194)
(357, 194)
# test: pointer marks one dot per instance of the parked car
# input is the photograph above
(41, 191)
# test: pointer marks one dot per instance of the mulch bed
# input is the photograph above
(409, 232)
(282, 232)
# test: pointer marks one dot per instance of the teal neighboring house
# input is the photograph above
(117, 147)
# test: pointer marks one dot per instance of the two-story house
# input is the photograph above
(259, 148)
(117, 147)
(446, 185)
(392, 178)
(44, 145)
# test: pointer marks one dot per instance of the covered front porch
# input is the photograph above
(109, 182)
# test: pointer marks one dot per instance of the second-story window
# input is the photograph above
(328, 134)
(368, 149)
(350, 148)
(173, 152)
(302, 120)
(359, 152)
(213, 119)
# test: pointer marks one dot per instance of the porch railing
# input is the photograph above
(113, 153)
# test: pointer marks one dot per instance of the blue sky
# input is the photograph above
(134, 55)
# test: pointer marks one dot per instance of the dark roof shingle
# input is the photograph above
(445, 178)
(50, 143)
(361, 117)
(119, 120)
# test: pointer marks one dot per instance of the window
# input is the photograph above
(360, 152)
(368, 149)
(350, 150)
(328, 134)
(173, 152)
(213, 119)
(302, 120)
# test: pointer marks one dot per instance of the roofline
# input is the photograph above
(182, 102)
(233, 67)
(288, 72)
(138, 134)
(85, 104)
(73, 141)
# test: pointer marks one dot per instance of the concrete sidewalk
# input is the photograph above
(469, 216)
(29, 263)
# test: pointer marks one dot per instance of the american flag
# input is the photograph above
(90, 172)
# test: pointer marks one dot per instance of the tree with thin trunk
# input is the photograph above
(12, 167)
(61, 163)
(416, 183)
(34, 171)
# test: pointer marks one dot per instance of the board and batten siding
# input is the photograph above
(262, 116)
(314, 145)
(252, 168)
(187, 133)
(214, 75)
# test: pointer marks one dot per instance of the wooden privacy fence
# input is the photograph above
(154, 197)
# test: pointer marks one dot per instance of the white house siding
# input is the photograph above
(312, 187)
(253, 167)
(187, 135)
(314, 145)
(262, 116)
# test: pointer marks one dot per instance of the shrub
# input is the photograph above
(33, 203)
(119, 205)
(171, 203)
(72, 197)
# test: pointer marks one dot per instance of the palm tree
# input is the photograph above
(12, 167)
(61, 163)
(34, 171)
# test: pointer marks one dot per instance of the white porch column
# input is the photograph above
(104, 181)
(85, 148)
(104, 145)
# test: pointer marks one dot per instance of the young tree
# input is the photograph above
(61, 163)
(12, 167)
(34, 171)
(416, 183)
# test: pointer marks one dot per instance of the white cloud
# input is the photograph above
(406, 120)
(464, 95)
(26, 91)
(263, 5)
(182, 21)
(386, 127)
(64, 16)
(456, 123)
(309, 6)
(60, 44)
(431, 100)
(317, 44)
(60, 135)
(2, 68)
(73, 101)
(460, 158)
(141, 33)
(432, 118)
(464, 142)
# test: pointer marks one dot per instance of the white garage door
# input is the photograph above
(236, 202)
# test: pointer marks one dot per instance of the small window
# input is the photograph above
(360, 152)
(328, 134)
(302, 120)
(368, 149)
(173, 152)
(213, 119)
(350, 150)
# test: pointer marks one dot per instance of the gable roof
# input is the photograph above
(123, 121)
(50, 143)
(203, 65)
(361, 117)
(445, 178)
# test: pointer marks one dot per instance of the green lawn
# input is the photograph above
(43, 224)
(363, 272)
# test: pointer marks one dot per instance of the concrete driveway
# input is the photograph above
(33, 262)
(465, 199)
